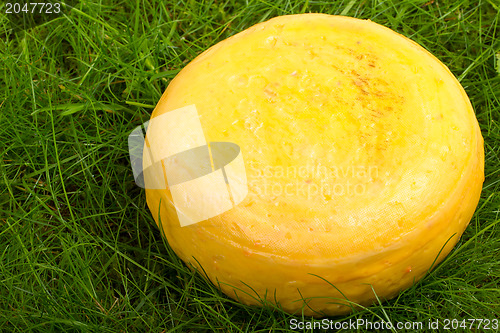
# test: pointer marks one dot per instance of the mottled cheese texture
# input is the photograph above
(363, 157)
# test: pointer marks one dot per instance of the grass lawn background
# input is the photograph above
(79, 248)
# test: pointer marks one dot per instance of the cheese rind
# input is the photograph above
(363, 156)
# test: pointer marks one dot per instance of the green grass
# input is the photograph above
(80, 251)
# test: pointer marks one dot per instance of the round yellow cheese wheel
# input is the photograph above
(363, 163)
